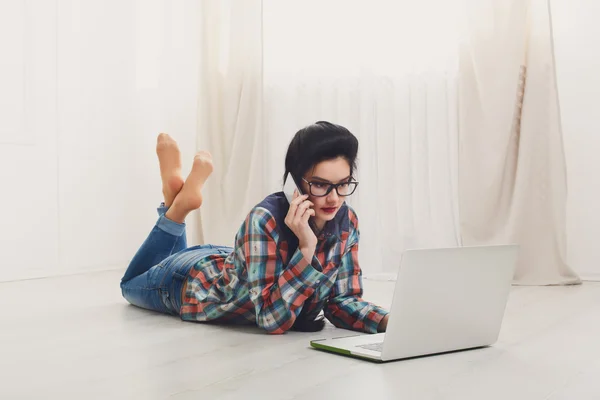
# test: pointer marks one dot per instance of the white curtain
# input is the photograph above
(288, 64)
(576, 30)
(390, 72)
(512, 167)
(230, 114)
(85, 87)
(407, 174)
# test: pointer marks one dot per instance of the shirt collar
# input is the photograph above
(331, 229)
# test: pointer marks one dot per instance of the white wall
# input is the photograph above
(28, 146)
(577, 32)
(86, 87)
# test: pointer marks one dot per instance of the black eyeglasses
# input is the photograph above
(322, 189)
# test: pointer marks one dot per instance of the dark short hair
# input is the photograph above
(318, 142)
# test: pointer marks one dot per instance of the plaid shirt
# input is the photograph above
(266, 279)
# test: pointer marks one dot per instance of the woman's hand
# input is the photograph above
(383, 324)
(297, 220)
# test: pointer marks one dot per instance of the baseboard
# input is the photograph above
(33, 274)
(590, 277)
(386, 277)
(392, 277)
(40, 274)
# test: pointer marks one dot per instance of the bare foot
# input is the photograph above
(190, 196)
(169, 158)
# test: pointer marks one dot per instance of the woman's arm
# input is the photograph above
(346, 308)
(277, 291)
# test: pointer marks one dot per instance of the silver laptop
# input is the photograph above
(444, 300)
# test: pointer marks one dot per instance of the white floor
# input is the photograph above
(75, 337)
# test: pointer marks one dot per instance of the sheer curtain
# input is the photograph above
(231, 114)
(317, 61)
(512, 166)
(386, 71)
(85, 87)
(396, 73)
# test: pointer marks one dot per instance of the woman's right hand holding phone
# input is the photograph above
(297, 220)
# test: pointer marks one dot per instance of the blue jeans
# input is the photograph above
(157, 273)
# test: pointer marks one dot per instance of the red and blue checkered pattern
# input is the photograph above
(259, 282)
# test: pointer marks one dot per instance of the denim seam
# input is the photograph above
(170, 265)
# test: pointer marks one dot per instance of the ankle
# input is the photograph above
(176, 215)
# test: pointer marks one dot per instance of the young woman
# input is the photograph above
(290, 261)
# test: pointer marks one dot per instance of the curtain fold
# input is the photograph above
(230, 114)
(512, 168)
(256, 92)
(485, 139)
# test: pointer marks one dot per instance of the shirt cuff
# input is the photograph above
(305, 274)
(373, 319)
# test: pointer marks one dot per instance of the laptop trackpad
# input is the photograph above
(355, 342)
(372, 346)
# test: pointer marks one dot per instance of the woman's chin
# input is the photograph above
(327, 216)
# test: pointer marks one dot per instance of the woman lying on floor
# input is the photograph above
(289, 263)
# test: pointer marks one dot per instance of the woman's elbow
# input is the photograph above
(275, 327)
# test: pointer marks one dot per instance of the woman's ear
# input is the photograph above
(305, 187)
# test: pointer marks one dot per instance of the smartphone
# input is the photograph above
(289, 187)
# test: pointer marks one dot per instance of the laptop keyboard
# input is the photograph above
(373, 346)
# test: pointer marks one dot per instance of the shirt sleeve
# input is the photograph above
(346, 308)
(277, 291)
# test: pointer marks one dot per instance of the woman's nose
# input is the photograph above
(332, 196)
